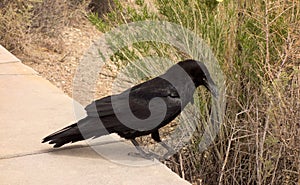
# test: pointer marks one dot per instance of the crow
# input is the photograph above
(140, 110)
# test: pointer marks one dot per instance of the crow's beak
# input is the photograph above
(211, 86)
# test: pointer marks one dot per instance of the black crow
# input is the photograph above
(140, 110)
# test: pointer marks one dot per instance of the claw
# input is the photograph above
(150, 155)
(142, 153)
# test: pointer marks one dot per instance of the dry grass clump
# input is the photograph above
(259, 140)
(51, 17)
(15, 18)
(42, 22)
(52, 37)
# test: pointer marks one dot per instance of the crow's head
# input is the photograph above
(199, 74)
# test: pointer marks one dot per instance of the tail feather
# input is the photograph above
(51, 136)
(66, 135)
(72, 133)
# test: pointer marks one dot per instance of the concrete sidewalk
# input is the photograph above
(30, 109)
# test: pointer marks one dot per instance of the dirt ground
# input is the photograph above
(59, 65)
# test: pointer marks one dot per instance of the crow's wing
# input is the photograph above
(138, 107)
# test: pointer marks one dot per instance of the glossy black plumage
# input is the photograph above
(172, 90)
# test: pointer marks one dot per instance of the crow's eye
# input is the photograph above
(174, 94)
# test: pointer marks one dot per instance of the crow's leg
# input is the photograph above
(142, 153)
(170, 150)
(156, 137)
